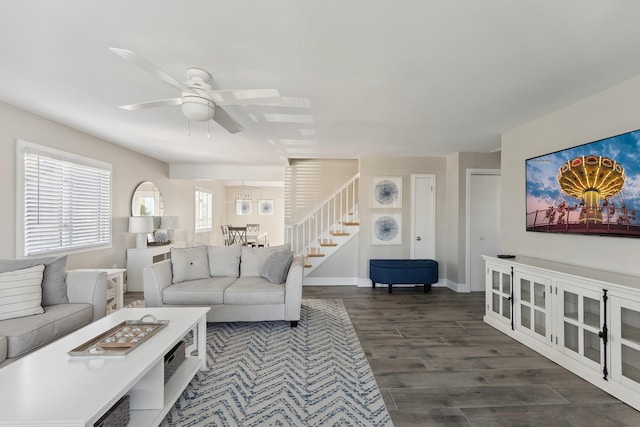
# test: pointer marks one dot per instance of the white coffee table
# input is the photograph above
(49, 387)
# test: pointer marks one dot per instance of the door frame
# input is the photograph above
(467, 267)
(432, 213)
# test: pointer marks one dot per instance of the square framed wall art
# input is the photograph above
(243, 207)
(386, 229)
(386, 191)
(265, 207)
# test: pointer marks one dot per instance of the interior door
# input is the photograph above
(483, 223)
(423, 190)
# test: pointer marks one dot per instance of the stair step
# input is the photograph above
(339, 233)
(315, 255)
(351, 224)
(314, 252)
(328, 243)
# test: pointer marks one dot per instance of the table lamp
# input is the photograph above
(170, 223)
(141, 225)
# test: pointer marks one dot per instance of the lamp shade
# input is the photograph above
(170, 222)
(140, 224)
(198, 108)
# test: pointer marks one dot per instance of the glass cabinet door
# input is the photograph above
(626, 358)
(582, 319)
(499, 292)
(533, 302)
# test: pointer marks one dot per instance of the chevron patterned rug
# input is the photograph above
(269, 374)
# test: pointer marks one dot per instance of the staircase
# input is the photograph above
(324, 230)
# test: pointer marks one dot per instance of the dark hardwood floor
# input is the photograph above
(438, 364)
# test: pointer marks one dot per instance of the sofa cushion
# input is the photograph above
(28, 333)
(224, 261)
(253, 259)
(197, 292)
(276, 266)
(253, 291)
(189, 263)
(21, 292)
(54, 288)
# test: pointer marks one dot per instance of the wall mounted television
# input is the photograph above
(591, 189)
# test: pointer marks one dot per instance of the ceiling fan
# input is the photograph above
(199, 100)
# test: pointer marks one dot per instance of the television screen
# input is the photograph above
(589, 189)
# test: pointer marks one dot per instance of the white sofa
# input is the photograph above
(239, 283)
(68, 301)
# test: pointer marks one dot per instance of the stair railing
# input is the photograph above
(305, 236)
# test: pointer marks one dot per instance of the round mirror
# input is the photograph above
(147, 200)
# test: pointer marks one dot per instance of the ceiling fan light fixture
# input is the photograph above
(197, 108)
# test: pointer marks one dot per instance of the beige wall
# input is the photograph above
(313, 181)
(450, 172)
(272, 224)
(401, 166)
(605, 114)
(129, 169)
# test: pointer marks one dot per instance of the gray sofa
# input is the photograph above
(69, 301)
(239, 283)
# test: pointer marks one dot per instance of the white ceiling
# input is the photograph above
(358, 78)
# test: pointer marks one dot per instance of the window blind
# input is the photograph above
(67, 205)
(203, 210)
(309, 181)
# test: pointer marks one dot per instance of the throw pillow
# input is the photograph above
(189, 263)
(21, 292)
(224, 261)
(54, 287)
(276, 267)
(253, 259)
(160, 236)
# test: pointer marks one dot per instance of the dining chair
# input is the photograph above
(225, 235)
(252, 234)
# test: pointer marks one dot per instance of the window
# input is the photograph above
(65, 201)
(204, 211)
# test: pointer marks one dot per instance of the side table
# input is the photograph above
(115, 287)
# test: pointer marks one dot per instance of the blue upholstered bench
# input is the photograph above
(404, 271)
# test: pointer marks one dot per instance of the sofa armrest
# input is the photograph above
(293, 289)
(155, 278)
(88, 287)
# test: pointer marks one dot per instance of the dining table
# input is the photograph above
(241, 235)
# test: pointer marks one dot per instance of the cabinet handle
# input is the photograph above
(604, 335)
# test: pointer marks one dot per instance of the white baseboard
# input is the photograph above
(457, 287)
(366, 283)
(331, 281)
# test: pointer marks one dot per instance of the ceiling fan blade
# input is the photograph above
(226, 121)
(152, 104)
(246, 97)
(149, 67)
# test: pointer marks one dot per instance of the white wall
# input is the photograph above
(612, 112)
(129, 169)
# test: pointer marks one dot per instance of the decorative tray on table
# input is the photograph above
(121, 339)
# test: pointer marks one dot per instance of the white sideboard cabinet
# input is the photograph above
(137, 259)
(584, 319)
